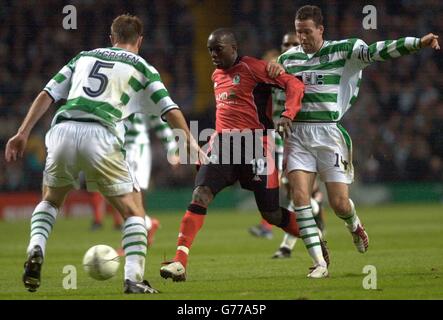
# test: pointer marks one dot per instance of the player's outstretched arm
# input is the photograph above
(389, 49)
(17, 144)
(162, 131)
(176, 120)
(164, 134)
(430, 40)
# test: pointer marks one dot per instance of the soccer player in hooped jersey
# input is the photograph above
(264, 229)
(242, 90)
(103, 87)
(318, 144)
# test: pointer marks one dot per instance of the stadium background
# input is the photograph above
(396, 124)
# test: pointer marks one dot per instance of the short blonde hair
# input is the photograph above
(126, 28)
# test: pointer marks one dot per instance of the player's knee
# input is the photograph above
(202, 196)
(128, 205)
(340, 205)
(272, 217)
(300, 197)
(54, 198)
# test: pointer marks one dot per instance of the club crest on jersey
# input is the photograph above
(324, 59)
(236, 79)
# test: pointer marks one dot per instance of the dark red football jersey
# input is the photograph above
(243, 95)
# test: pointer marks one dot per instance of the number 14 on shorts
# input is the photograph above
(339, 160)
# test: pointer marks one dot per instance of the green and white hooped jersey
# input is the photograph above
(108, 85)
(138, 125)
(332, 75)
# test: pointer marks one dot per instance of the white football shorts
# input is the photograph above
(139, 158)
(324, 148)
(90, 147)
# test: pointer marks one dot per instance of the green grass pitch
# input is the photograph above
(406, 248)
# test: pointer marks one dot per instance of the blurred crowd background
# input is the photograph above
(396, 124)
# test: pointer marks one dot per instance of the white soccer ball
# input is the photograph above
(101, 262)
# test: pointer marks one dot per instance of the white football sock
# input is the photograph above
(42, 222)
(135, 246)
(309, 234)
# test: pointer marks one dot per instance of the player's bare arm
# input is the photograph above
(17, 144)
(176, 120)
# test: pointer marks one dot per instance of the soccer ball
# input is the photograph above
(101, 262)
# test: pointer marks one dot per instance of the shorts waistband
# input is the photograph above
(314, 123)
(63, 119)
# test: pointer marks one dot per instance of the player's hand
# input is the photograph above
(274, 69)
(203, 157)
(430, 40)
(284, 127)
(174, 160)
(15, 147)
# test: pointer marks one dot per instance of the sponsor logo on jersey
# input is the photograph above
(324, 59)
(232, 95)
(256, 178)
(222, 96)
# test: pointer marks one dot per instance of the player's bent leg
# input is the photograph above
(301, 185)
(268, 204)
(128, 205)
(191, 223)
(42, 221)
(344, 208)
(134, 241)
(152, 225)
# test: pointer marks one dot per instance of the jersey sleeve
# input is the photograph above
(164, 132)
(294, 88)
(363, 55)
(58, 87)
(152, 94)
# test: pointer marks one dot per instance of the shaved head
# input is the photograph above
(225, 35)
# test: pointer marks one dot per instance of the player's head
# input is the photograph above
(309, 28)
(289, 40)
(222, 46)
(127, 30)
